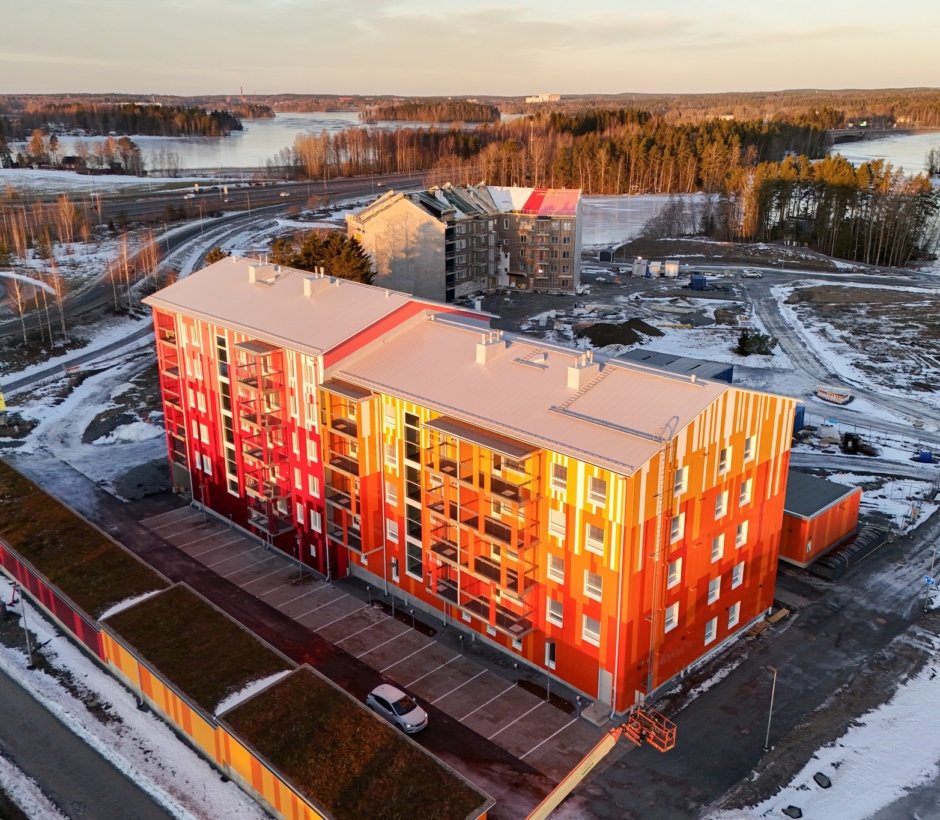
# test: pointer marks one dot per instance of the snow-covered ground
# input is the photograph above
(42, 182)
(713, 343)
(141, 746)
(895, 498)
(885, 754)
(613, 220)
(23, 791)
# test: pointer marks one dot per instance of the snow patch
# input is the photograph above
(24, 791)
(135, 431)
(127, 603)
(239, 697)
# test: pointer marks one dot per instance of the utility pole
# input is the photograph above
(29, 644)
(773, 691)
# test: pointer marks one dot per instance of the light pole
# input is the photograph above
(29, 643)
(773, 690)
(166, 231)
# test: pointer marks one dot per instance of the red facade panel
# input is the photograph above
(803, 540)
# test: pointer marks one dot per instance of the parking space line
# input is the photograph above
(573, 720)
(409, 685)
(344, 595)
(320, 586)
(236, 539)
(171, 521)
(511, 686)
(458, 687)
(261, 578)
(231, 557)
(516, 720)
(361, 630)
(388, 641)
(262, 561)
(337, 620)
(197, 540)
(431, 643)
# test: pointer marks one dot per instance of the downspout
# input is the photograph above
(380, 425)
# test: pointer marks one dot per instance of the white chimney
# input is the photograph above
(489, 346)
(253, 272)
(308, 286)
(585, 369)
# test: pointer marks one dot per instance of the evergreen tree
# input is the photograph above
(215, 255)
(338, 254)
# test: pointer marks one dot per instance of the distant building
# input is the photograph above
(817, 515)
(449, 242)
(541, 98)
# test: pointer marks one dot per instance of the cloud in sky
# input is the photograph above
(423, 47)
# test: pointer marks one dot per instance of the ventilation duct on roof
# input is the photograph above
(585, 369)
(491, 344)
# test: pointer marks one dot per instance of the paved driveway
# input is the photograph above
(521, 722)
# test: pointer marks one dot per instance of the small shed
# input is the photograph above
(671, 268)
(817, 515)
(656, 269)
(640, 267)
(698, 281)
(607, 254)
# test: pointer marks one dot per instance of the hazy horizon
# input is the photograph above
(419, 48)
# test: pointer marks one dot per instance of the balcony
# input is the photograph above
(263, 384)
(512, 623)
(344, 463)
(268, 520)
(338, 498)
(265, 490)
(167, 337)
(345, 426)
(172, 372)
(505, 487)
(266, 420)
(345, 538)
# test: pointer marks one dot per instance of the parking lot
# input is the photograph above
(521, 722)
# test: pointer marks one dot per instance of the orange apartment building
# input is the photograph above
(607, 522)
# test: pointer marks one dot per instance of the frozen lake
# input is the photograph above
(905, 151)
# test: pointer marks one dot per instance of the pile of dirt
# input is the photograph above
(630, 332)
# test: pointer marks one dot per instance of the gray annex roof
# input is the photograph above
(682, 364)
(808, 496)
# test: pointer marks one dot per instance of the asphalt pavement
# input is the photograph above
(78, 780)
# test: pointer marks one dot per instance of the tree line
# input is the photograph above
(605, 152)
(435, 111)
(872, 214)
(125, 119)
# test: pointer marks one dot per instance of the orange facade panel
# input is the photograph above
(805, 538)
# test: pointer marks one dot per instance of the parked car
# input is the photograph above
(285, 193)
(752, 274)
(397, 708)
(189, 196)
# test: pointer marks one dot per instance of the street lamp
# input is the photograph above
(166, 231)
(770, 715)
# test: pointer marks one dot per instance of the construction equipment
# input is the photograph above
(643, 723)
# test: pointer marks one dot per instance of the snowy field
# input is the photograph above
(39, 182)
(883, 756)
(138, 744)
(613, 220)
(894, 499)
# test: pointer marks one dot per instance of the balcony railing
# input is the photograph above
(345, 426)
(344, 463)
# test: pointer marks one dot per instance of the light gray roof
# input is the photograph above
(681, 364)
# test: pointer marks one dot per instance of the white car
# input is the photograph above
(752, 274)
(189, 196)
(397, 708)
(285, 193)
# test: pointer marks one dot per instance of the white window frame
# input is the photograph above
(395, 574)
(592, 590)
(711, 631)
(674, 573)
(300, 512)
(203, 433)
(734, 614)
(718, 547)
(556, 568)
(747, 490)
(316, 521)
(740, 537)
(589, 635)
(207, 465)
(681, 483)
(391, 456)
(597, 498)
(298, 479)
(313, 486)
(556, 619)
(724, 460)
(557, 523)
(750, 445)
(391, 530)
(201, 402)
(559, 483)
(391, 493)
(714, 589)
(737, 575)
(677, 528)
(721, 505)
(390, 416)
(591, 544)
(672, 617)
(549, 663)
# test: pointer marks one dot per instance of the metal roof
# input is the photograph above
(521, 391)
(277, 307)
(808, 496)
(490, 441)
(682, 364)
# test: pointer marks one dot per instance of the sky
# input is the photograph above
(420, 47)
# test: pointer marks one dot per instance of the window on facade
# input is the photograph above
(591, 631)
(391, 456)
(300, 513)
(556, 568)
(740, 538)
(593, 585)
(391, 531)
(809, 546)
(313, 486)
(597, 491)
(674, 575)
(718, 547)
(559, 477)
(737, 575)
(724, 460)
(505, 224)
(745, 497)
(413, 561)
(413, 520)
(677, 528)
(195, 425)
(672, 617)
(711, 630)
(550, 654)
(390, 415)
(311, 451)
(714, 589)
(391, 493)
(395, 575)
(749, 444)
(298, 479)
(554, 612)
(316, 521)
(201, 402)
(556, 523)
(204, 433)
(681, 484)
(207, 466)
(197, 367)
(594, 540)
(721, 505)
(734, 615)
